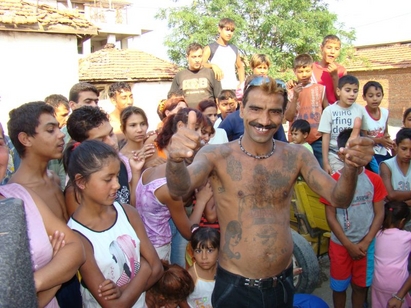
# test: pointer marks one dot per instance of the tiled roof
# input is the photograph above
(389, 56)
(18, 15)
(112, 65)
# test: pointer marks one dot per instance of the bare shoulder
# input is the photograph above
(54, 178)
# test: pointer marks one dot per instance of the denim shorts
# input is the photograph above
(232, 290)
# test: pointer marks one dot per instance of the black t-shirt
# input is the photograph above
(123, 193)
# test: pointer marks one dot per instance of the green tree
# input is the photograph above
(280, 28)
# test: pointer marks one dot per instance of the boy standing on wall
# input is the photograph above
(223, 58)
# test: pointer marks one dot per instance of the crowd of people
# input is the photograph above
(196, 213)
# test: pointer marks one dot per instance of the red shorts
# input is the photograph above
(344, 269)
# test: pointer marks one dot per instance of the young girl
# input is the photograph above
(121, 263)
(205, 243)
(172, 289)
(392, 248)
(134, 125)
(209, 109)
(155, 204)
(375, 120)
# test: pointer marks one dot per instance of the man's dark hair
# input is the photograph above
(193, 47)
(55, 100)
(117, 87)
(81, 87)
(343, 137)
(267, 84)
(84, 119)
(25, 119)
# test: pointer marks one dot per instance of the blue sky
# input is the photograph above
(378, 21)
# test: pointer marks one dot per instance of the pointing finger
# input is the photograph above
(192, 120)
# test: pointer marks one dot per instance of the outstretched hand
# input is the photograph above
(185, 141)
(359, 150)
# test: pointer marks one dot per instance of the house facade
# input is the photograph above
(389, 64)
(149, 77)
(39, 54)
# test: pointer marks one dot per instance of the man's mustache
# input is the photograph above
(258, 125)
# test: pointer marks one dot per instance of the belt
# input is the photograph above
(261, 283)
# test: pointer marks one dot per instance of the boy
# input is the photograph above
(336, 118)
(260, 64)
(223, 58)
(121, 97)
(226, 104)
(327, 72)
(35, 133)
(61, 112)
(396, 171)
(89, 123)
(197, 82)
(307, 101)
(300, 129)
(61, 108)
(353, 230)
(37, 138)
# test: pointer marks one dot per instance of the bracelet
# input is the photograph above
(394, 295)
(194, 228)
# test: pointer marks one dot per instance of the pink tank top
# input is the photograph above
(40, 247)
(154, 214)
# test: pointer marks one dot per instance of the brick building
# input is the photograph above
(389, 64)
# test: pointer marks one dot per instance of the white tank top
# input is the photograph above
(116, 251)
(201, 296)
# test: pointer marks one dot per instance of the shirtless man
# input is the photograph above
(121, 97)
(35, 133)
(252, 180)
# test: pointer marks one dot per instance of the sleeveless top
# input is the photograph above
(154, 214)
(41, 250)
(225, 57)
(116, 251)
(399, 181)
(201, 296)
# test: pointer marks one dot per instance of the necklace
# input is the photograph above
(256, 156)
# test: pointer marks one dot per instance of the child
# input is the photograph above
(406, 122)
(336, 118)
(121, 263)
(227, 103)
(300, 129)
(375, 120)
(307, 101)
(209, 109)
(392, 248)
(172, 289)
(353, 230)
(156, 206)
(205, 243)
(121, 97)
(396, 171)
(327, 72)
(260, 64)
(223, 58)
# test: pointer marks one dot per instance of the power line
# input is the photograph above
(382, 20)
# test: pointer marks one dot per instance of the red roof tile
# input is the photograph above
(18, 15)
(112, 65)
(389, 56)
